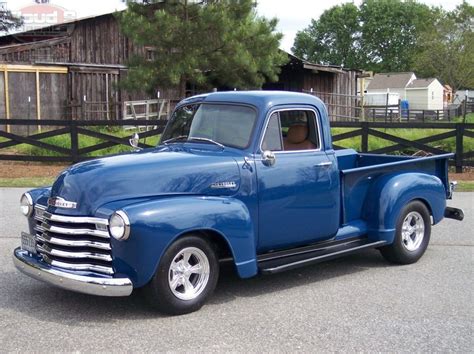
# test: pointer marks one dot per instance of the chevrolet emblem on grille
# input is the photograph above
(59, 202)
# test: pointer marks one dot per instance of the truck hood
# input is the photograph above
(151, 173)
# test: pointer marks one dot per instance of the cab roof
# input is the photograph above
(263, 100)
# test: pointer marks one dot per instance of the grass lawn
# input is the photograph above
(26, 182)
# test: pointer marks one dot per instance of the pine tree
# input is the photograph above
(206, 43)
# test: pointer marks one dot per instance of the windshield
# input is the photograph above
(229, 125)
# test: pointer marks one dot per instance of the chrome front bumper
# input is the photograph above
(79, 283)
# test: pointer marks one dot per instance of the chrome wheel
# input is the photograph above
(188, 274)
(413, 231)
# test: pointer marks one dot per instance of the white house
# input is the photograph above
(426, 94)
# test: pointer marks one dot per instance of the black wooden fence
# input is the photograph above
(74, 128)
(458, 131)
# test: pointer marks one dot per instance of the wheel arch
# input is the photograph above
(157, 224)
(389, 194)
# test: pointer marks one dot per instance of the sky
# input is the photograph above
(293, 15)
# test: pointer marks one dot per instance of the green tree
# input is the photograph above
(391, 31)
(8, 21)
(207, 43)
(380, 35)
(447, 52)
(332, 39)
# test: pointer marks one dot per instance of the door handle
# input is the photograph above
(324, 164)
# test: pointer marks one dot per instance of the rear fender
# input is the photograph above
(156, 224)
(390, 193)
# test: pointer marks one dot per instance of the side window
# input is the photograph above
(291, 130)
(272, 140)
(299, 130)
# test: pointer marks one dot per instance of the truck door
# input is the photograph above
(298, 191)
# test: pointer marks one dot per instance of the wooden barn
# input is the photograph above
(336, 86)
(72, 71)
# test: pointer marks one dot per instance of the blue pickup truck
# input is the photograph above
(245, 177)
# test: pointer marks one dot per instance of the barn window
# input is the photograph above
(149, 53)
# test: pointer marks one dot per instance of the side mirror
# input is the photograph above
(134, 141)
(268, 158)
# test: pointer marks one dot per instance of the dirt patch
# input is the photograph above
(468, 175)
(29, 169)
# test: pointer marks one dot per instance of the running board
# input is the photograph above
(277, 262)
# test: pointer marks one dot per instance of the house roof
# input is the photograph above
(390, 80)
(421, 83)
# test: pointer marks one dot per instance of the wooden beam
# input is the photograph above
(33, 69)
(38, 99)
(7, 97)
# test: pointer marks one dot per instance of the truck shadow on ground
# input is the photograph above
(47, 303)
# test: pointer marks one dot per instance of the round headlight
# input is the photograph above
(119, 225)
(26, 204)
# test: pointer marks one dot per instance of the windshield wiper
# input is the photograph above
(206, 140)
(181, 137)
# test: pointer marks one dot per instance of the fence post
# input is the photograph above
(459, 146)
(465, 109)
(74, 142)
(449, 115)
(437, 114)
(423, 115)
(364, 144)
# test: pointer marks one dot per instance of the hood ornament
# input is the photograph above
(59, 202)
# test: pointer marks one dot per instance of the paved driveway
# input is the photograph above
(359, 303)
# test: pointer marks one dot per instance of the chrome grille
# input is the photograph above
(73, 242)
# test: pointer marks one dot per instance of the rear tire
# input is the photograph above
(412, 235)
(186, 276)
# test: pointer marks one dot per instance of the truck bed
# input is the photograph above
(358, 172)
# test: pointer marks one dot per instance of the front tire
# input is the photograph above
(186, 276)
(412, 235)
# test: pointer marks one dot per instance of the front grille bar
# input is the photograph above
(74, 232)
(42, 215)
(79, 267)
(45, 237)
(66, 254)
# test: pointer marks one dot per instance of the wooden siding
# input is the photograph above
(100, 41)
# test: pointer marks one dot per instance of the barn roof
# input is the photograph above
(390, 80)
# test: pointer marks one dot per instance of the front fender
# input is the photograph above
(156, 224)
(390, 193)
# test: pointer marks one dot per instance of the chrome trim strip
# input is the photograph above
(79, 283)
(73, 255)
(78, 266)
(66, 231)
(72, 243)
